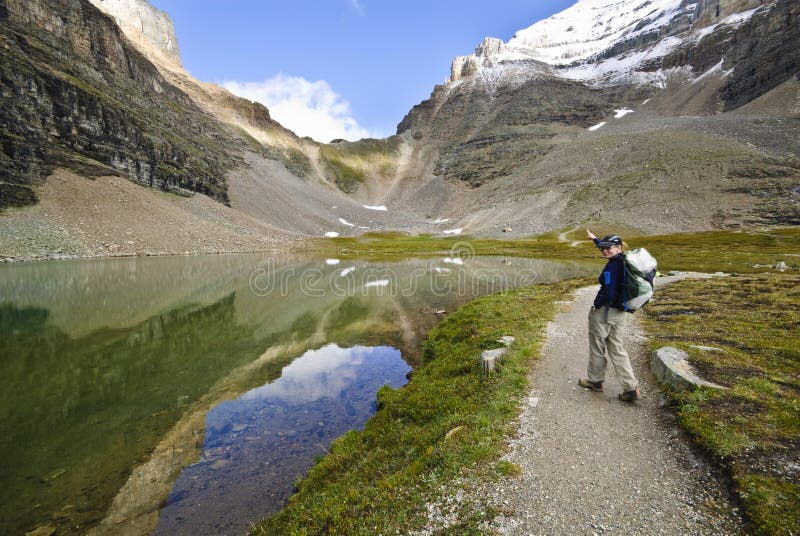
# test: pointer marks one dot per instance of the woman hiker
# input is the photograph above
(607, 321)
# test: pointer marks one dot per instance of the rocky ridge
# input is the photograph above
(554, 127)
(105, 96)
(665, 116)
(77, 94)
(146, 25)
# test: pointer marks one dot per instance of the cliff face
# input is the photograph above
(147, 26)
(763, 55)
(77, 94)
(477, 133)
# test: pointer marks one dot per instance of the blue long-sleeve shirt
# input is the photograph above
(611, 283)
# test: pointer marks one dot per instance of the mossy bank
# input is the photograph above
(742, 332)
(449, 422)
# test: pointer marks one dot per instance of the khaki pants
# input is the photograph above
(606, 332)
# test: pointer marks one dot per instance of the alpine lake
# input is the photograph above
(187, 394)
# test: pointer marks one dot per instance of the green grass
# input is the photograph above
(380, 480)
(727, 251)
(753, 427)
(351, 163)
(448, 425)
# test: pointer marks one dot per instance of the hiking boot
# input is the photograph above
(630, 396)
(589, 384)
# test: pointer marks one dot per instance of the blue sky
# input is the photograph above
(339, 68)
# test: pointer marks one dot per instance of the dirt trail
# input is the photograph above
(562, 237)
(592, 464)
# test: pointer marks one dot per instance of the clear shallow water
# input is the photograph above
(116, 374)
(256, 446)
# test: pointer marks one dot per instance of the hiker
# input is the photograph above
(607, 321)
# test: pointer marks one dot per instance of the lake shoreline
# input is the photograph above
(104, 357)
(436, 455)
(59, 257)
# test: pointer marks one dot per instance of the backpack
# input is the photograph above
(637, 281)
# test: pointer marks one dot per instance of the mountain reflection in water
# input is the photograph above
(257, 445)
(109, 368)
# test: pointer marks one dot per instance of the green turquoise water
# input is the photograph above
(101, 360)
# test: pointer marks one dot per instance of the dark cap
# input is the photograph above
(609, 240)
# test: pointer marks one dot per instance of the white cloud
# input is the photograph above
(357, 7)
(307, 108)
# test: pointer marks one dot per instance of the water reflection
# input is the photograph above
(109, 367)
(257, 445)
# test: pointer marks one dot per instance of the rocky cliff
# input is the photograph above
(665, 115)
(103, 93)
(77, 94)
(533, 127)
(150, 28)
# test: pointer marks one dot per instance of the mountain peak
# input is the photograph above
(591, 26)
(577, 41)
(148, 27)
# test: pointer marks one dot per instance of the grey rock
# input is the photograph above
(671, 366)
(149, 24)
(507, 340)
(489, 358)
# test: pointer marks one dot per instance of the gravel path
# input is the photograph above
(592, 464)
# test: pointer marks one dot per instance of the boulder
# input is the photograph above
(671, 367)
(489, 358)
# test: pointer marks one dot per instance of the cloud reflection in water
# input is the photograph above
(257, 445)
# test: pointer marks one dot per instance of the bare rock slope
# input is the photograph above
(677, 116)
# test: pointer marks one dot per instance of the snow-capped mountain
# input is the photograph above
(663, 115)
(608, 41)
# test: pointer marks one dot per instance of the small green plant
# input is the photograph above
(507, 468)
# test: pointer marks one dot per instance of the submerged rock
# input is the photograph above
(43, 530)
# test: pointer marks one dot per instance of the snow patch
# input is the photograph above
(332, 262)
(370, 207)
(731, 20)
(570, 44)
(345, 222)
(346, 271)
(379, 283)
(739, 18)
(591, 26)
(440, 270)
(714, 69)
(595, 127)
(622, 113)
(453, 260)
(453, 231)
(698, 35)
(331, 234)
(623, 68)
(439, 220)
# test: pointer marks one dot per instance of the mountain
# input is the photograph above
(662, 115)
(110, 148)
